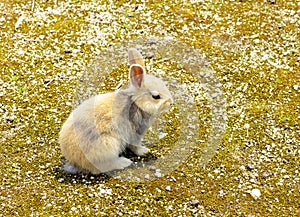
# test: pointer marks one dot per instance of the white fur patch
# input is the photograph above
(68, 168)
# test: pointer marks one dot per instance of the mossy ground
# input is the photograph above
(252, 45)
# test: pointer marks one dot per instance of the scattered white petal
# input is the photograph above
(105, 191)
(162, 135)
(19, 21)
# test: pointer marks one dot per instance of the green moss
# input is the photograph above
(251, 45)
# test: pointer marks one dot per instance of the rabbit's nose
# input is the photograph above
(170, 102)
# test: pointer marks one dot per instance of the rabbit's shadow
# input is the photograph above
(91, 179)
(79, 178)
(130, 155)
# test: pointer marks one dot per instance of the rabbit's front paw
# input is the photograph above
(139, 150)
(123, 162)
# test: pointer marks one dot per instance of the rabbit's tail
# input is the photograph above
(69, 168)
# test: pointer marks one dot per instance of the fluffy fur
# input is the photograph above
(96, 132)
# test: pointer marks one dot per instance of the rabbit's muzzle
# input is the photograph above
(167, 105)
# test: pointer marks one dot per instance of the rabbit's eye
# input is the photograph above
(156, 96)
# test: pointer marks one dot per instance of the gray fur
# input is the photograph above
(132, 121)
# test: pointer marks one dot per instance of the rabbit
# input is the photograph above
(99, 129)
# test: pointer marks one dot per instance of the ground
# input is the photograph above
(252, 48)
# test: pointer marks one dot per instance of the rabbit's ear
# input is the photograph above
(135, 57)
(136, 75)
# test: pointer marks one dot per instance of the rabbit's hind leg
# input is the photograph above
(104, 156)
(117, 163)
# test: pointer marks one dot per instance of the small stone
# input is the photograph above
(195, 203)
(256, 41)
(157, 174)
(168, 188)
(152, 168)
(249, 167)
(272, 1)
(255, 193)
(150, 55)
(295, 87)
(265, 174)
(217, 171)
(74, 209)
(147, 176)
(105, 191)
(221, 193)
(162, 135)
(247, 126)
(214, 95)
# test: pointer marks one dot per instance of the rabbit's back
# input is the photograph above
(95, 112)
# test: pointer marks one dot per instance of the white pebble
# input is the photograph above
(152, 168)
(157, 174)
(255, 193)
(162, 135)
(256, 41)
(74, 209)
(221, 193)
(247, 126)
(105, 191)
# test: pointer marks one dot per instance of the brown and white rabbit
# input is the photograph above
(96, 132)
